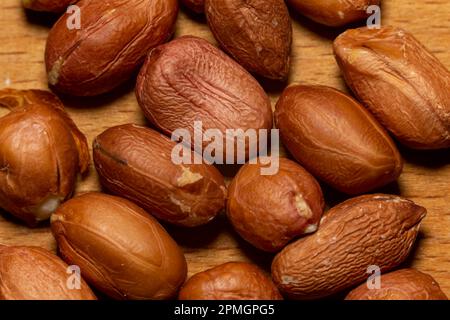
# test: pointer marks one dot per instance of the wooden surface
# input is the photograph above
(426, 178)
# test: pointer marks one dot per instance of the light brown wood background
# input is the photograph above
(426, 178)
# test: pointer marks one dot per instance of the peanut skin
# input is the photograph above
(404, 284)
(230, 281)
(333, 13)
(368, 230)
(32, 273)
(336, 139)
(257, 33)
(41, 153)
(56, 6)
(120, 248)
(400, 82)
(188, 80)
(293, 204)
(112, 42)
(135, 162)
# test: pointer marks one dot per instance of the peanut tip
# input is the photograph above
(188, 177)
(53, 75)
(302, 207)
(44, 210)
(310, 229)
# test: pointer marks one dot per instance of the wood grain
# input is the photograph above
(426, 178)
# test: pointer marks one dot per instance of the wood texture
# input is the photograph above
(426, 178)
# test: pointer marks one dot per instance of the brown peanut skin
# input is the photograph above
(270, 210)
(135, 162)
(198, 6)
(333, 13)
(189, 79)
(400, 82)
(336, 139)
(368, 230)
(257, 33)
(230, 281)
(56, 6)
(41, 153)
(32, 273)
(114, 38)
(121, 250)
(404, 284)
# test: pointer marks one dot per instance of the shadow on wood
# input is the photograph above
(272, 87)
(261, 258)
(45, 19)
(197, 17)
(324, 31)
(198, 237)
(409, 262)
(102, 100)
(434, 159)
(229, 170)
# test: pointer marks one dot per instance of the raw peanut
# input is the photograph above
(122, 251)
(56, 6)
(113, 40)
(333, 13)
(405, 284)
(189, 79)
(198, 6)
(41, 153)
(270, 210)
(368, 230)
(230, 281)
(32, 273)
(135, 162)
(336, 139)
(400, 82)
(257, 33)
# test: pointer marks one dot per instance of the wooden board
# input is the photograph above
(426, 178)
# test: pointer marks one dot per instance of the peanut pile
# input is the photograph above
(186, 86)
